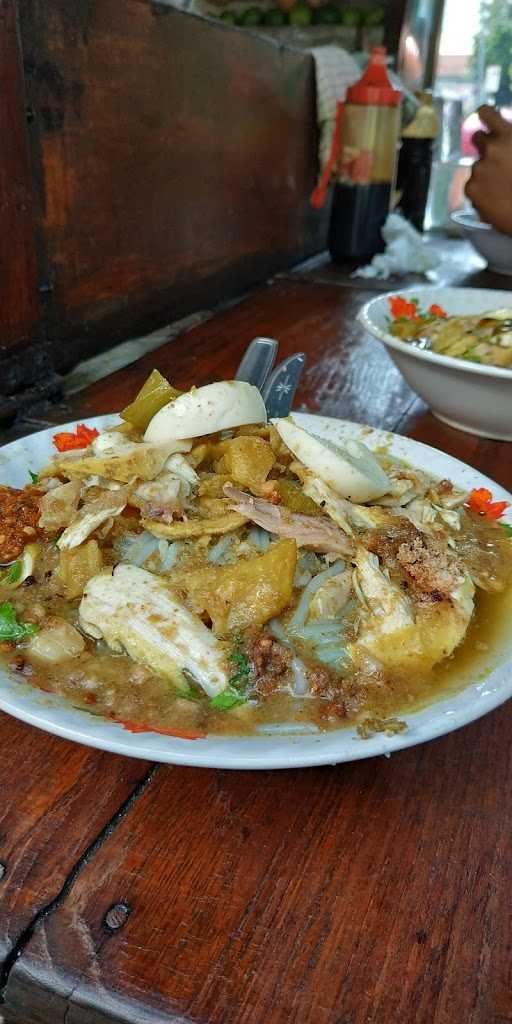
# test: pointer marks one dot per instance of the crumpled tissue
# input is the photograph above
(406, 252)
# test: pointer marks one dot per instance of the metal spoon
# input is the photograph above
(257, 362)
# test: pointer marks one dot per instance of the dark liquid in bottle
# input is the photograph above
(357, 216)
(414, 169)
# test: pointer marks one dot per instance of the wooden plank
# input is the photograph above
(374, 891)
(18, 265)
(347, 373)
(146, 210)
(56, 798)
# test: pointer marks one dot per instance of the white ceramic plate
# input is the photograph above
(279, 751)
(470, 396)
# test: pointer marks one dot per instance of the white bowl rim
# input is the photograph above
(470, 219)
(480, 369)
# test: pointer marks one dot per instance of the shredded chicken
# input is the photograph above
(168, 494)
(406, 484)
(136, 610)
(93, 514)
(402, 633)
(309, 531)
(349, 516)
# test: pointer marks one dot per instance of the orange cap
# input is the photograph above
(374, 86)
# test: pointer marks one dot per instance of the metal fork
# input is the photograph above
(278, 387)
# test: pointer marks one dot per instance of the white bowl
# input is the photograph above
(490, 243)
(471, 396)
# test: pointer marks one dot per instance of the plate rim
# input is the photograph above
(201, 752)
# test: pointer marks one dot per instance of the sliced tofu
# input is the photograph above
(115, 457)
(211, 526)
(133, 610)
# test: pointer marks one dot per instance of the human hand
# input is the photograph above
(490, 185)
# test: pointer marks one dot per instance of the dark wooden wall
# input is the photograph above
(170, 163)
(19, 295)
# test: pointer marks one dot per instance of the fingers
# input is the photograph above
(469, 189)
(474, 194)
(473, 186)
(476, 172)
(479, 140)
(493, 119)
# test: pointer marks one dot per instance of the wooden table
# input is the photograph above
(369, 893)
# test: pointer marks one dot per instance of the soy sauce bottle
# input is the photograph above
(415, 162)
(362, 164)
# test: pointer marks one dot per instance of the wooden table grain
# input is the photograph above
(369, 893)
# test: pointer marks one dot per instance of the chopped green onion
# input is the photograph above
(10, 628)
(96, 714)
(243, 669)
(507, 528)
(34, 477)
(188, 694)
(14, 573)
(226, 700)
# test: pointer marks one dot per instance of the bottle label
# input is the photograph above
(355, 166)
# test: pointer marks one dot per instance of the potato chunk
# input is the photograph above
(57, 641)
(248, 593)
(247, 461)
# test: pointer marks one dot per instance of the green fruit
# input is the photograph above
(350, 17)
(252, 16)
(228, 17)
(274, 17)
(301, 15)
(374, 16)
(329, 15)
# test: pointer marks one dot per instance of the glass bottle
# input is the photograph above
(365, 157)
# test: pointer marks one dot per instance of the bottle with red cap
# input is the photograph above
(363, 163)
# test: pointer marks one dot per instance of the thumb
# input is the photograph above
(493, 120)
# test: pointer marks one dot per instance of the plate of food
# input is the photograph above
(189, 583)
(454, 348)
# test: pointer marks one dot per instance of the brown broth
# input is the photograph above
(112, 686)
